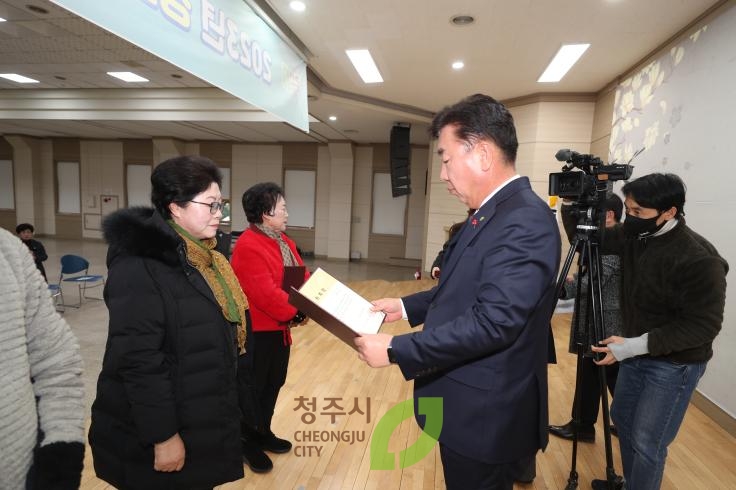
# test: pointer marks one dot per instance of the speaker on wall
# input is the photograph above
(399, 155)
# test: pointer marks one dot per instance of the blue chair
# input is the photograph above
(75, 269)
(58, 296)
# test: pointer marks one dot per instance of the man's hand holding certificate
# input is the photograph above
(391, 307)
(336, 307)
(373, 349)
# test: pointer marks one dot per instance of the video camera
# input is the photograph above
(589, 186)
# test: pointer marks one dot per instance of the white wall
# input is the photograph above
(101, 172)
(322, 206)
(252, 164)
(361, 212)
(682, 108)
(340, 197)
(545, 127)
(23, 153)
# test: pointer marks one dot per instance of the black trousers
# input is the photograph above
(462, 473)
(261, 374)
(590, 390)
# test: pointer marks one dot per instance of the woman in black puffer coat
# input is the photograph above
(166, 414)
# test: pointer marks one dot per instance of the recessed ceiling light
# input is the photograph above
(127, 76)
(462, 20)
(458, 65)
(333, 118)
(567, 56)
(14, 77)
(297, 6)
(364, 64)
(3, 20)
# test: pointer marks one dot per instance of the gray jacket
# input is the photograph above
(42, 388)
(610, 292)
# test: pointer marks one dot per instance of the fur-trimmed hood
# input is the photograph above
(141, 232)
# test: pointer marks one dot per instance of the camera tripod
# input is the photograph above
(586, 243)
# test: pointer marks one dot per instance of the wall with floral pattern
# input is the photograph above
(680, 111)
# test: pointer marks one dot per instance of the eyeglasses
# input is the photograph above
(214, 206)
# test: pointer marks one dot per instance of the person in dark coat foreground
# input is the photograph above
(166, 414)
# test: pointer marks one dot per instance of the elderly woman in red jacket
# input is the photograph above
(260, 257)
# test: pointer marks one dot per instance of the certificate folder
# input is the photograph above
(293, 277)
(336, 307)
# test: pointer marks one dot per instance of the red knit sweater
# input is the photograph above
(259, 266)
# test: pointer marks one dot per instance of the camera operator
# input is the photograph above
(610, 286)
(672, 300)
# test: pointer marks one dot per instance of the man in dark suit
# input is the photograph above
(483, 349)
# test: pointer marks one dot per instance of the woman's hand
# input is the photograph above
(169, 455)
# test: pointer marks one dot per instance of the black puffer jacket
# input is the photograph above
(169, 366)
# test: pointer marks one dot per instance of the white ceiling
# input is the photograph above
(412, 41)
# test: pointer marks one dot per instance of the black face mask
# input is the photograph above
(635, 227)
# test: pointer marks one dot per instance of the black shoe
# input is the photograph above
(614, 431)
(585, 433)
(618, 484)
(255, 458)
(275, 444)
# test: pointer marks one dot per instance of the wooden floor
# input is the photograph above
(702, 457)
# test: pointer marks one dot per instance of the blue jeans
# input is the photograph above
(651, 398)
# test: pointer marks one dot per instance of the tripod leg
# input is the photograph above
(613, 481)
(572, 481)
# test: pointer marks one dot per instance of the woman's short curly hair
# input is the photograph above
(261, 199)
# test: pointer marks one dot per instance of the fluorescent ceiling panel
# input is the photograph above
(14, 77)
(565, 58)
(364, 65)
(127, 76)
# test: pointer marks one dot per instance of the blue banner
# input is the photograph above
(220, 41)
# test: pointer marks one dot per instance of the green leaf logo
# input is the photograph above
(431, 408)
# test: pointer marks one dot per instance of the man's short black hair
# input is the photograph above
(615, 204)
(658, 191)
(261, 199)
(479, 117)
(24, 227)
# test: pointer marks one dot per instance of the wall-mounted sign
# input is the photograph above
(222, 42)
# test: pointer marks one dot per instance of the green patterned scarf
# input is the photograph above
(219, 276)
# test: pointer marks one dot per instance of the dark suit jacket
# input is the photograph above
(486, 324)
